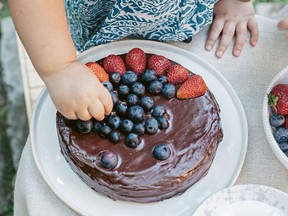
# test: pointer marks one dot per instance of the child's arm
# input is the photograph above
(43, 30)
(232, 17)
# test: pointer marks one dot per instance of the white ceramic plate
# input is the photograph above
(224, 170)
(280, 78)
(245, 200)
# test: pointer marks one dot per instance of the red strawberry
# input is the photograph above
(136, 60)
(278, 99)
(114, 63)
(98, 70)
(192, 88)
(177, 74)
(159, 64)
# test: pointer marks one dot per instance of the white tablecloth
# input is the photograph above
(249, 75)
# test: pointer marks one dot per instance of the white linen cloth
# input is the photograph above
(249, 74)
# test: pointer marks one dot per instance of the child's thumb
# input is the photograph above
(283, 24)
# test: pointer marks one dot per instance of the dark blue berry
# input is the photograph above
(146, 103)
(132, 140)
(113, 121)
(114, 97)
(108, 85)
(163, 122)
(115, 137)
(169, 91)
(121, 108)
(105, 130)
(158, 110)
(155, 87)
(163, 80)
(139, 128)
(281, 134)
(136, 113)
(84, 126)
(108, 160)
(148, 76)
(123, 91)
(283, 146)
(276, 120)
(126, 126)
(129, 78)
(132, 99)
(151, 126)
(138, 89)
(97, 126)
(115, 78)
(161, 152)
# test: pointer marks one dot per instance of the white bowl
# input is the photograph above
(280, 78)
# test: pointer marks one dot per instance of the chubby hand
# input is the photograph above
(232, 17)
(283, 24)
(77, 93)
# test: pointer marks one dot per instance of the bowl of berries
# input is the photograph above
(275, 115)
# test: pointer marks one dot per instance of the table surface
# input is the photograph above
(249, 74)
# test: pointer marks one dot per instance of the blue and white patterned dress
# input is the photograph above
(94, 22)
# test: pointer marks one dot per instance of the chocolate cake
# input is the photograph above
(138, 172)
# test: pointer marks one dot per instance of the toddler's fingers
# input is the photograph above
(96, 109)
(253, 28)
(241, 33)
(227, 35)
(71, 116)
(84, 114)
(106, 100)
(216, 28)
(283, 24)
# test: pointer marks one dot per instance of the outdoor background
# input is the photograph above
(13, 120)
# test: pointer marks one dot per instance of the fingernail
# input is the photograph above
(208, 47)
(237, 53)
(220, 53)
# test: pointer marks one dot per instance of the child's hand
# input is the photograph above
(283, 24)
(77, 93)
(232, 17)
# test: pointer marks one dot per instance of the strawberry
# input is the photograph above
(159, 64)
(136, 60)
(114, 63)
(278, 99)
(194, 87)
(98, 70)
(177, 74)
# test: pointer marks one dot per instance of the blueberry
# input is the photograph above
(158, 110)
(139, 128)
(169, 91)
(126, 126)
(123, 91)
(136, 113)
(114, 97)
(148, 76)
(121, 108)
(84, 126)
(146, 103)
(129, 78)
(108, 85)
(113, 121)
(161, 152)
(105, 130)
(163, 80)
(277, 120)
(108, 160)
(115, 137)
(163, 122)
(155, 87)
(281, 134)
(97, 126)
(132, 140)
(283, 146)
(115, 78)
(132, 99)
(138, 88)
(151, 126)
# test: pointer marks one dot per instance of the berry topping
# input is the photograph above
(161, 152)
(123, 91)
(136, 60)
(108, 85)
(284, 146)
(132, 99)
(115, 78)
(159, 64)
(151, 126)
(98, 70)
(177, 74)
(278, 99)
(136, 114)
(114, 97)
(192, 88)
(158, 110)
(281, 135)
(169, 91)
(138, 89)
(276, 120)
(129, 78)
(155, 87)
(139, 128)
(105, 130)
(146, 103)
(108, 160)
(148, 76)
(163, 122)
(126, 126)
(84, 126)
(115, 137)
(163, 80)
(114, 63)
(97, 126)
(113, 121)
(132, 140)
(121, 108)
